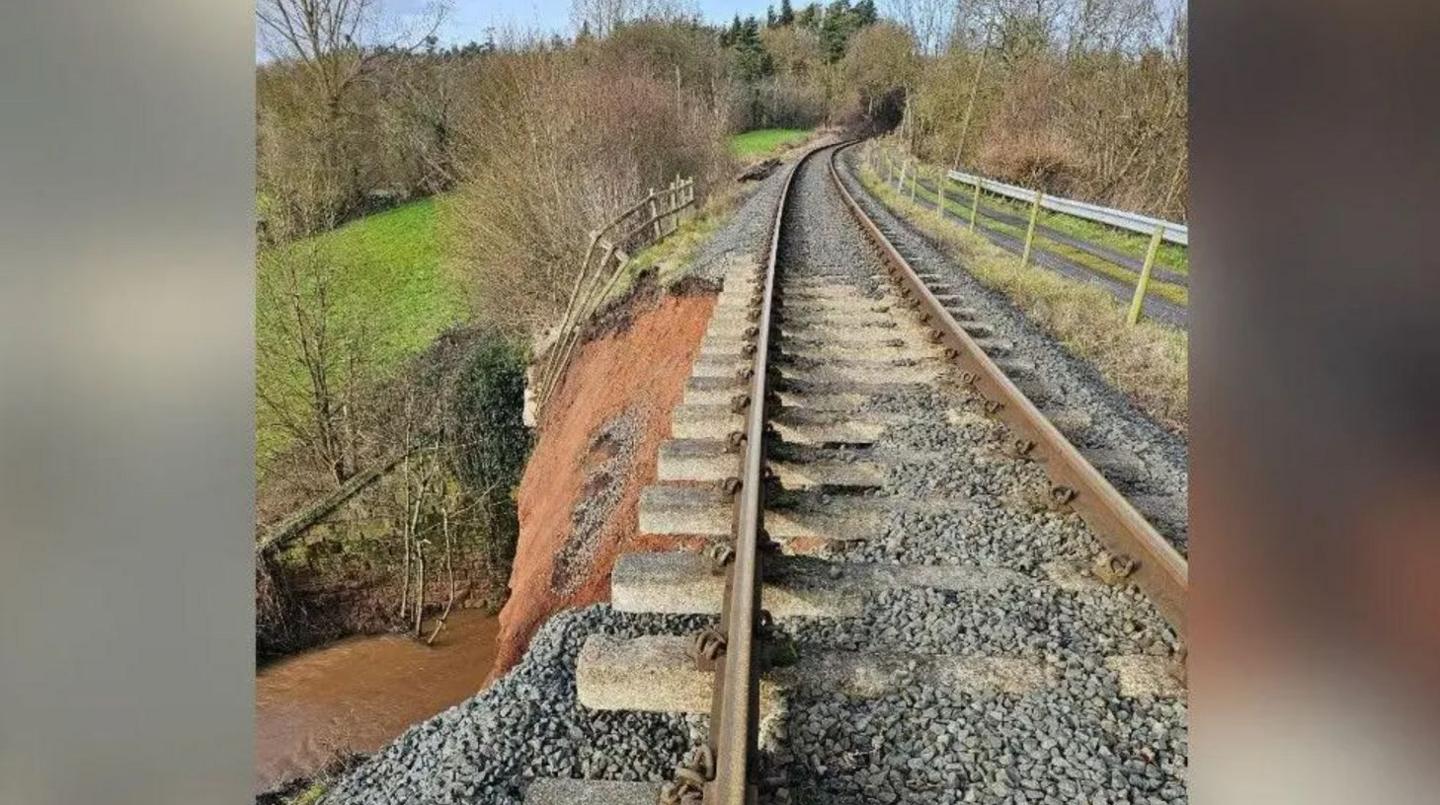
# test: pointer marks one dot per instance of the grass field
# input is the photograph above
(387, 290)
(764, 142)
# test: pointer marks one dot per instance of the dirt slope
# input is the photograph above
(596, 451)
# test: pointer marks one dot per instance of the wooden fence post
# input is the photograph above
(1144, 283)
(914, 180)
(940, 195)
(1030, 231)
(655, 213)
(672, 206)
(975, 205)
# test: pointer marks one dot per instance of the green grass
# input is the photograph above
(389, 295)
(765, 142)
(310, 795)
(670, 257)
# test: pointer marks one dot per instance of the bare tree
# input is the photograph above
(337, 45)
(600, 17)
(339, 40)
(299, 288)
(931, 22)
(1112, 26)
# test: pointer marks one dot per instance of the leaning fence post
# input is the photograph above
(1030, 231)
(672, 211)
(1144, 283)
(975, 205)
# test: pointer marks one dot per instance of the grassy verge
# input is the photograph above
(765, 142)
(1147, 362)
(672, 256)
(1178, 294)
(387, 287)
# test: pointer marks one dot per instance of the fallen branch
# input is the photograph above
(297, 524)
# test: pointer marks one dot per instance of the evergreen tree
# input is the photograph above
(731, 38)
(835, 29)
(770, 16)
(752, 62)
(865, 14)
(809, 16)
(787, 14)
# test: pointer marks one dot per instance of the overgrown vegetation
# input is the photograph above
(1082, 98)
(1146, 362)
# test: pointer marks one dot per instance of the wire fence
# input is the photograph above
(606, 258)
(960, 194)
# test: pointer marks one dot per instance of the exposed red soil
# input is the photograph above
(637, 369)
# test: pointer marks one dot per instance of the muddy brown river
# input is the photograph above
(358, 694)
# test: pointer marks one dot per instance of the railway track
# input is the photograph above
(925, 592)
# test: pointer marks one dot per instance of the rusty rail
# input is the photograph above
(1137, 550)
(725, 770)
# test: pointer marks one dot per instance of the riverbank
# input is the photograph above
(354, 696)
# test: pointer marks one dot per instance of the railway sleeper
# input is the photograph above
(711, 460)
(805, 425)
(655, 673)
(790, 515)
(683, 582)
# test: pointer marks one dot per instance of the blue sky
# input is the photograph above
(468, 19)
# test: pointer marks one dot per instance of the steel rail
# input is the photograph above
(1153, 563)
(735, 714)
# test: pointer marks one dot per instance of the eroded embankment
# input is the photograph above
(595, 452)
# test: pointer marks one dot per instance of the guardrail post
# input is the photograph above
(1030, 231)
(975, 206)
(1144, 283)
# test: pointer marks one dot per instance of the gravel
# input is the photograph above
(528, 724)
(1116, 422)
(744, 235)
(609, 456)
(1076, 740)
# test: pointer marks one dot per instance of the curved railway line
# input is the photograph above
(925, 592)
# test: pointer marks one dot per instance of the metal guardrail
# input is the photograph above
(1132, 221)
(1157, 229)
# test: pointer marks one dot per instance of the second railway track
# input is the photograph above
(926, 594)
